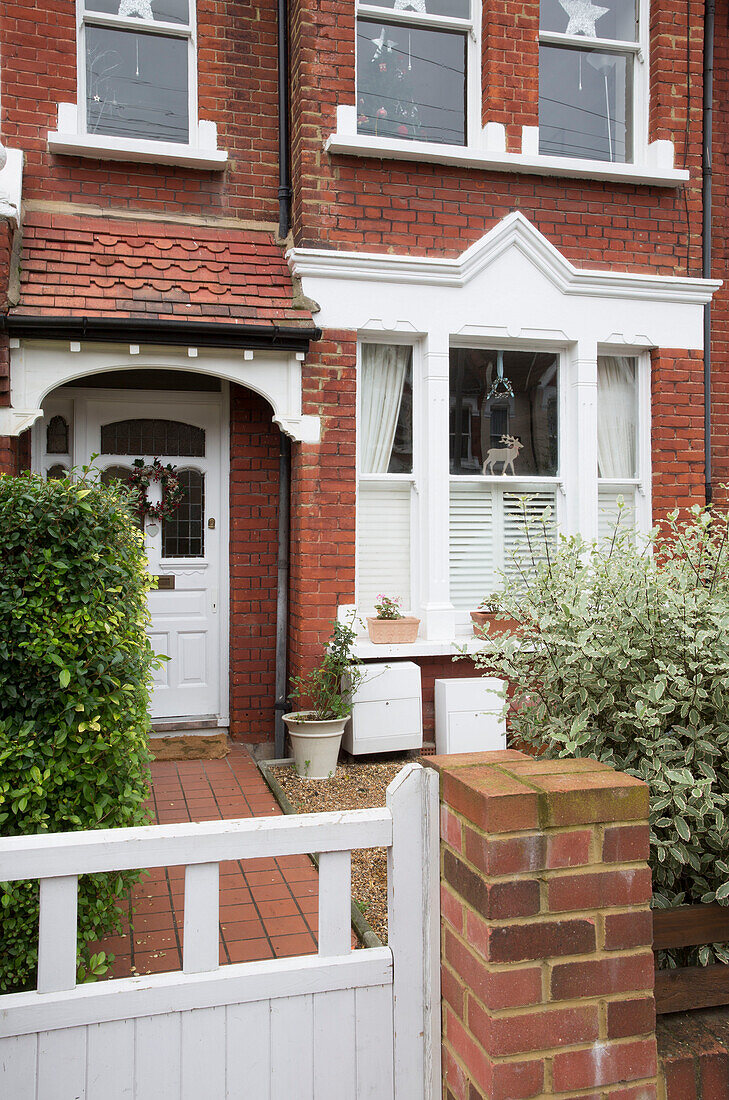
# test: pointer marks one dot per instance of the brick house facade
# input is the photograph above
(141, 269)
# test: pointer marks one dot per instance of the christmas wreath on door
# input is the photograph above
(144, 474)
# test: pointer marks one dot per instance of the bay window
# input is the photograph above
(591, 70)
(413, 64)
(137, 69)
(504, 465)
(386, 474)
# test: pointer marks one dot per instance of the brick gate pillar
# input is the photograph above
(546, 966)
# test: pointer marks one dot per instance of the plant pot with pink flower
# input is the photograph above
(390, 626)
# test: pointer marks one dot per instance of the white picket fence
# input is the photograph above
(333, 1026)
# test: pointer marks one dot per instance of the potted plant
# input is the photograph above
(489, 618)
(390, 626)
(316, 733)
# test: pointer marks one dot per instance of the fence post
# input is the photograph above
(547, 970)
(57, 934)
(413, 936)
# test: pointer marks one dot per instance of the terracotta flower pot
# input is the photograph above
(393, 631)
(497, 621)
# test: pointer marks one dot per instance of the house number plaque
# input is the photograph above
(166, 581)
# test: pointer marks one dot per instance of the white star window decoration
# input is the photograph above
(583, 15)
(410, 5)
(142, 8)
(383, 44)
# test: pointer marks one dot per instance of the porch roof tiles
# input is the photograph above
(89, 266)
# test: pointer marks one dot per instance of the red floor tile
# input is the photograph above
(268, 907)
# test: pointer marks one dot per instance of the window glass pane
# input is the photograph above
(160, 11)
(56, 473)
(171, 438)
(585, 104)
(489, 426)
(386, 409)
(411, 83)
(57, 436)
(136, 85)
(456, 9)
(183, 532)
(617, 421)
(596, 20)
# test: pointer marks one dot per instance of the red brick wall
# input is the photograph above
(254, 458)
(236, 90)
(677, 430)
(323, 501)
(389, 205)
(546, 967)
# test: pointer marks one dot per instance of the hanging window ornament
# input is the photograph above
(583, 15)
(383, 44)
(142, 8)
(501, 386)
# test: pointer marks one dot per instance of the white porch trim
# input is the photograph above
(37, 367)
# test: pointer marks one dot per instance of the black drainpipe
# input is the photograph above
(706, 229)
(282, 592)
(284, 157)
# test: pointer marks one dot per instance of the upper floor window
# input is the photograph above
(589, 85)
(137, 68)
(413, 69)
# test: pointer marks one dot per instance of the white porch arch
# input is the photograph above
(38, 367)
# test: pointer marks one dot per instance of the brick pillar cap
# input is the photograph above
(508, 791)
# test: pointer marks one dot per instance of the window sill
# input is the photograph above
(365, 145)
(365, 650)
(203, 157)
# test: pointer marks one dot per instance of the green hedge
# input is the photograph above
(75, 667)
(624, 657)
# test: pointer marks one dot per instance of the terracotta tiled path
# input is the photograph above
(268, 907)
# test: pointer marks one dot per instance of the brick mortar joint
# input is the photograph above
(580, 869)
(542, 830)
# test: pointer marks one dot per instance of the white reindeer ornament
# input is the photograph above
(505, 454)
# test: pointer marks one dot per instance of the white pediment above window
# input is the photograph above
(514, 280)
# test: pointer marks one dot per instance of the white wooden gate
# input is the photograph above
(333, 1026)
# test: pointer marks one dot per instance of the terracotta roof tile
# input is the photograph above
(86, 266)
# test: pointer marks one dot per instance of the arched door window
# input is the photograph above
(183, 534)
(153, 437)
(57, 436)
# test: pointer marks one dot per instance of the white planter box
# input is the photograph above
(468, 715)
(387, 709)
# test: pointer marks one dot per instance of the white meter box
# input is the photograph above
(468, 715)
(387, 709)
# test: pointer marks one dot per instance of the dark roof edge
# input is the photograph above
(145, 330)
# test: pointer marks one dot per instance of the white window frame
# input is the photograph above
(413, 478)
(158, 28)
(637, 53)
(73, 137)
(640, 485)
(524, 484)
(469, 28)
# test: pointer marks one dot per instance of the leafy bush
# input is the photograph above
(74, 674)
(328, 689)
(624, 657)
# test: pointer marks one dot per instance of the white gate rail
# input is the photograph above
(403, 979)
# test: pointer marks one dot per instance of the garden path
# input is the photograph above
(268, 907)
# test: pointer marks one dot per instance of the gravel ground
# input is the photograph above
(353, 787)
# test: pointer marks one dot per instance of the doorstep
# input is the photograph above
(198, 738)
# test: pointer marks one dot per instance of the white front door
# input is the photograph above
(186, 550)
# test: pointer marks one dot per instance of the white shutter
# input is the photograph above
(607, 510)
(383, 542)
(472, 563)
(529, 532)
